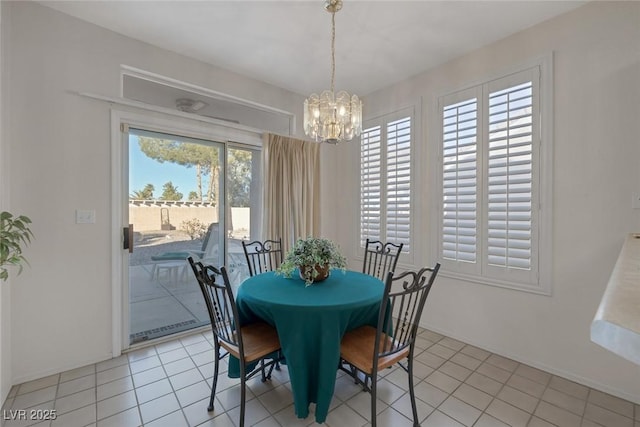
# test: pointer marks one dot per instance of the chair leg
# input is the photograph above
(412, 393)
(216, 365)
(264, 375)
(243, 393)
(374, 389)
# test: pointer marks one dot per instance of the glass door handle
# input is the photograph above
(127, 235)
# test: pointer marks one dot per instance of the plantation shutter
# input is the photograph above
(385, 180)
(459, 226)
(512, 137)
(370, 184)
(399, 182)
(490, 183)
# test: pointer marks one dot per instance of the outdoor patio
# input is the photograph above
(169, 300)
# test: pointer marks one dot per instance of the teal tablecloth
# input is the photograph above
(310, 322)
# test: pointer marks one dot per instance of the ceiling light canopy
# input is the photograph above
(332, 117)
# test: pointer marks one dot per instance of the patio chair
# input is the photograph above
(380, 258)
(263, 256)
(368, 349)
(251, 344)
(210, 236)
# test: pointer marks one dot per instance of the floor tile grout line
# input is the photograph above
(138, 406)
(539, 399)
(171, 384)
(454, 390)
(494, 396)
(538, 404)
(95, 379)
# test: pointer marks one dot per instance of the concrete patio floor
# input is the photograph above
(168, 302)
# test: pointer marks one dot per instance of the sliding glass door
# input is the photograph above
(244, 200)
(176, 210)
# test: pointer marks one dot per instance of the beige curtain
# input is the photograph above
(291, 189)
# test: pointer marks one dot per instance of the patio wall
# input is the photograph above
(147, 215)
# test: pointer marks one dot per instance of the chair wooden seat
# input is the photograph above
(357, 346)
(260, 339)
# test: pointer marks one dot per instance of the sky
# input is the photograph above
(143, 171)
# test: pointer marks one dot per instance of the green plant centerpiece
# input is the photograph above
(14, 233)
(314, 257)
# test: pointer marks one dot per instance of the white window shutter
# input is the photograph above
(459, 209)
(509, 177)
(370, 184)
(511, 200)
(398, 209)
(385, 180)
(490, 182)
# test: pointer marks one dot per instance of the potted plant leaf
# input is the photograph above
(14, 234)
(314, 257)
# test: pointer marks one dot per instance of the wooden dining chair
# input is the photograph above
(380, 258)
(251, 344)
(263, 256)
(367, 349)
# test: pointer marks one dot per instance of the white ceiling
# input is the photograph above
(287, 43)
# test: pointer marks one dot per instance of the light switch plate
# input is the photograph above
(85, 216)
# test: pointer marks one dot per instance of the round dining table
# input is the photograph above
(311, 321)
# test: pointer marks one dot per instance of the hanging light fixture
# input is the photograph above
(332, 117)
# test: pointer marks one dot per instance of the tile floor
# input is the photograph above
(456, 385)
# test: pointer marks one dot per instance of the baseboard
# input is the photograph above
(550, 369)
(106, 356)
(57, 370)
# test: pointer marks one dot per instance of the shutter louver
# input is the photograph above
(510, 160)
(398, 183)
(370, 184)
(459, 181)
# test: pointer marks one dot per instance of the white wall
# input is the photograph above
(60, 152)
(596, 168)
(5, 306)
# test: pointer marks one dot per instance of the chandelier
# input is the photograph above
(332, 117)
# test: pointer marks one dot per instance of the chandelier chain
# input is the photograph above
(333, 50)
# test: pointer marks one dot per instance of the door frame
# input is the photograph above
(160, 122)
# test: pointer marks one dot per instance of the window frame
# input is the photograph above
(382, 121)
(539, 281)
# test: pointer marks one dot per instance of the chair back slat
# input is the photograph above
(380, 258)
(218, 296)
(263, 256)
(401, 309)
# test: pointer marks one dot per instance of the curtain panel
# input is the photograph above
(291, 189)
